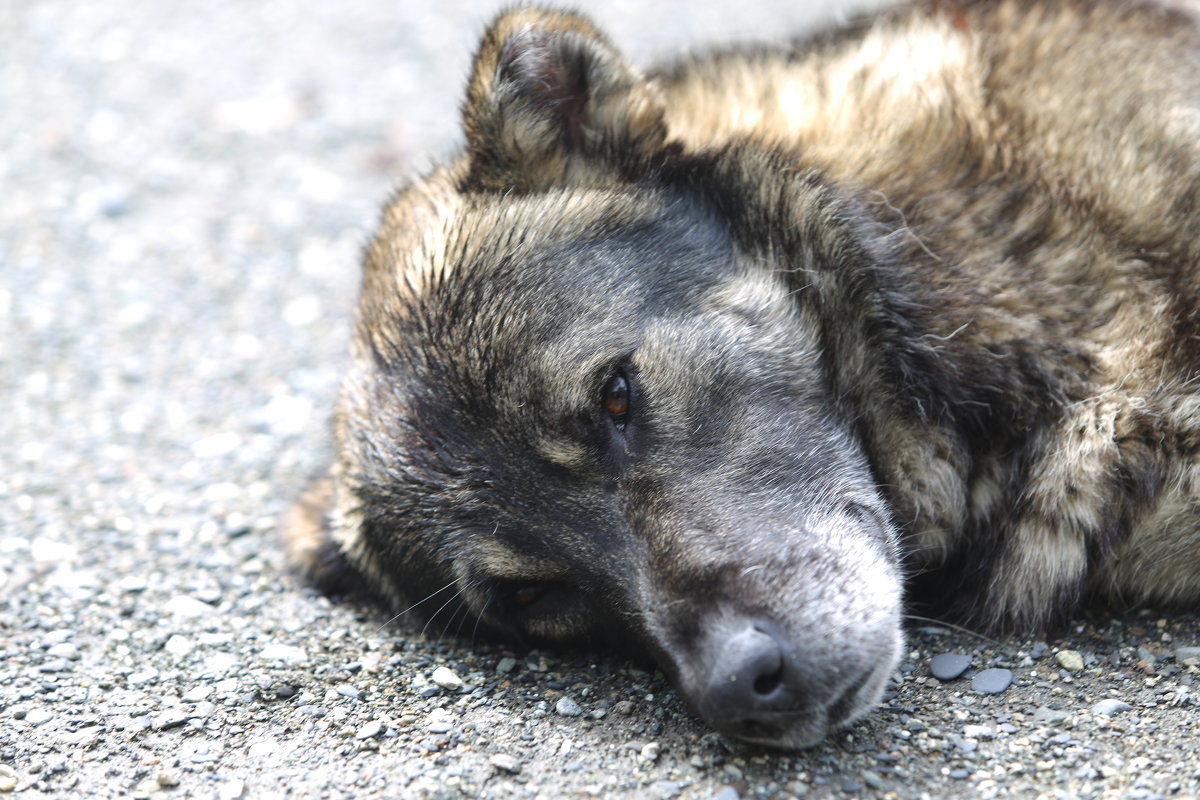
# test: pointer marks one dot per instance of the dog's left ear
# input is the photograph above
(552, 103)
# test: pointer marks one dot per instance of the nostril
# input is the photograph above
(767, 684)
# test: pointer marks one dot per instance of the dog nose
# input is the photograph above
(749, 678)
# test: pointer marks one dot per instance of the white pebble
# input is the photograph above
(445, 678)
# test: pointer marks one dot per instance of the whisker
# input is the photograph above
(414, 605)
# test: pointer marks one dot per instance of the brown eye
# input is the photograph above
(616, 398)
(526, 596)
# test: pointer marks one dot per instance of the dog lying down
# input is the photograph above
(734, 361)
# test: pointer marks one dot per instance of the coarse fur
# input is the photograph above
(718, 362)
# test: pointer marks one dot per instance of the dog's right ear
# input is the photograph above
(551, 102)
(310, 548)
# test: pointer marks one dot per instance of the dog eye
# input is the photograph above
(525, 596)
(615, 399)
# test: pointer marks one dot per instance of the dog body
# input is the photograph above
(713, 362)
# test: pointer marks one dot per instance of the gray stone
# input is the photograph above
(1110, 706)
(39, 716)
(370, 730)
(992, 681)
(505, 763)
(567, 707)
(1050, 716)
(948, 666)
(171, 718)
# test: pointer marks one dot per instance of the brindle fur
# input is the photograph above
(914, 300)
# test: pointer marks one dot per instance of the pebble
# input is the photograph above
(171, 718)
(8, 778)
(39, 716)
(1182, 653)
(232, 789)
(650, 751)
(369, 730)
(1110, 706)
(506, 665)
(262, 749)
(1050, 716)
(67, 650)
(182, 605)
(978, 732)
(1069, 660)
(992, 681)
(138, 678)
(179, 645)
(948, 666)
(167, 780)
(959, 774)
(447, 679)
(346, 690)
(567, 707)
(285, 653)
(872, 779)
(726, 792)
(505, 763)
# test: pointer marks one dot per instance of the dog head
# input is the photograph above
(591, 399)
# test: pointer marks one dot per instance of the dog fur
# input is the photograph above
(729, 361)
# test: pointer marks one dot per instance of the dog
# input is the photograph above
(735, 362)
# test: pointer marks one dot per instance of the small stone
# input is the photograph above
(447, 679)
(666, 789)
(948, 666)
(650, 751)
(179, 645)
(1069, 660)
(1187, 653)
(187, 607)
(872, 779)
(144, 676)
(171, 718)
(726, 792)
(1050, 716)
(285, 653)
(992, 681)
(67, 650)
(39, 716)
(55, 665)
(147, 786)
(505, 763)
(8, 778)
(232, 789)
(506, 665)
(623, 707)
(167, 780)
(567, 707)
(133, 584)
(440, 727)
(959, 774)
(369, 730)
(978, 732)
(1106, 708)
(346, 690)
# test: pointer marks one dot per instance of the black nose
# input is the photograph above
(748, 677)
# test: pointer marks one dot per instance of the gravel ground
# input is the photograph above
(185, 189)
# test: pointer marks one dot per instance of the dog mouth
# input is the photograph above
(808, 723)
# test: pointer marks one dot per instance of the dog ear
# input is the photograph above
(552, 103)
